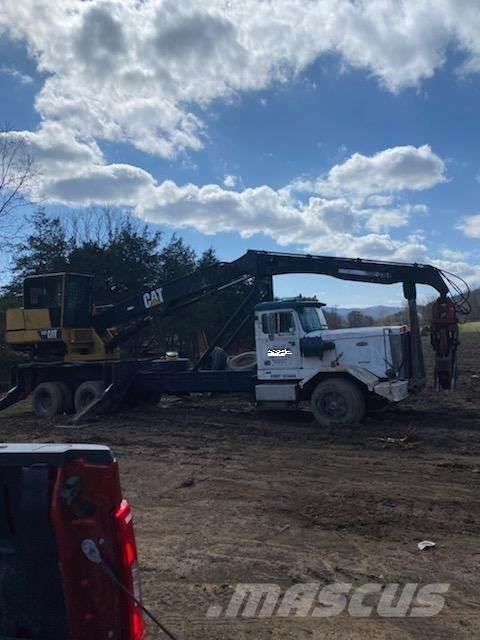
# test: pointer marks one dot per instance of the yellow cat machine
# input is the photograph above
(55, 322)
(75, 364)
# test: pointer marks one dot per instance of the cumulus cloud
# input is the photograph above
(230, 180)
(319, 225)
(384, 219)
(75, 172)
(379, 201)
(142, 73)
(381, 219)
(451, 254)
(119, 183)
(138, 71)
(470, 225)
(56, 150)
(388, 171)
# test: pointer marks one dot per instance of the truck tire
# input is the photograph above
(48, 400)
(87, 393)
(337, 402)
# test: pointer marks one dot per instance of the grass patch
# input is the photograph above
(470, 327)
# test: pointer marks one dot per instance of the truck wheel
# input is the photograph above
(337, 403)
(48, 400)
(87, 393)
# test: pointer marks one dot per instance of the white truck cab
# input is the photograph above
(338, 370)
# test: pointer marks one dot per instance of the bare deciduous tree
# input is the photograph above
(100, 224)
(17, 173)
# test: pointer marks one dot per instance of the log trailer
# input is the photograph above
(75, 366)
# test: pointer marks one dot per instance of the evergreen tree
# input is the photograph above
(45, 249)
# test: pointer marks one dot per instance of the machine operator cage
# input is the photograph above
(67, 296)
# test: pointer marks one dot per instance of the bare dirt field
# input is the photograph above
(224, 495)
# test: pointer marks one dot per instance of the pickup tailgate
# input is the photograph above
(53, 497)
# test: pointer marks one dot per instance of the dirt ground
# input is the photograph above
(224, 495)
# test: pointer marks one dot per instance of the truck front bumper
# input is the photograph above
(394, 390)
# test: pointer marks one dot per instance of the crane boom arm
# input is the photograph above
(166, 298)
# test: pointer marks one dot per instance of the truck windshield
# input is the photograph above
(312, 319)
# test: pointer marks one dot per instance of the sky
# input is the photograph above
(333, 127)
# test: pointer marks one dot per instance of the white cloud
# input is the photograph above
(74, 172)
(23, 78)
(319, 225)
(230, 180)
(381, 220)
(114, 183)
(379, 201)
(388, 171)
(136, 71)
(56, 150)
(451, 254)
(142, 72)
(470, 225)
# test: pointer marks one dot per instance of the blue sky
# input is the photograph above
(329, 127)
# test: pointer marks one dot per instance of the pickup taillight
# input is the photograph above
(129, 573)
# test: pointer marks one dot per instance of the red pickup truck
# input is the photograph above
(68, 558)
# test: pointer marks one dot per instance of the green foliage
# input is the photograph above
(45, 249)
(123, 263)
(122, 257)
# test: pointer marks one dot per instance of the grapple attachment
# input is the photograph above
(444, 340)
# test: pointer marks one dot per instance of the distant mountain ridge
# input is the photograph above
(376, 312)
(424, 311)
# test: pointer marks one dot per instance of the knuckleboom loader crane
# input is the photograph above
(75, 364)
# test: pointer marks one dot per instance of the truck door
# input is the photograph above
(278, 349)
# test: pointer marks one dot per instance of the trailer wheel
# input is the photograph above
(87, 393)
(48, 400)
(337, 402)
